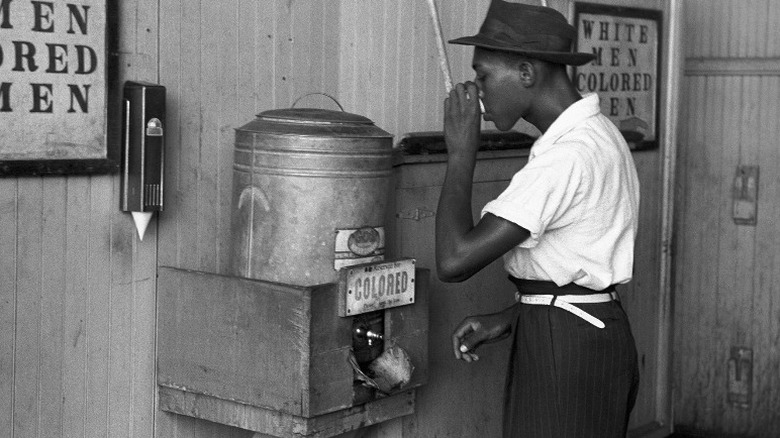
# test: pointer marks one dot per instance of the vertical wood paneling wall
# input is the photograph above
(77, 304)
(726, 288)
(77, 288)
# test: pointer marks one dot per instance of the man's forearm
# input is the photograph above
(454, 217)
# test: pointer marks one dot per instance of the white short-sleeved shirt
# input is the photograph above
(578, 196)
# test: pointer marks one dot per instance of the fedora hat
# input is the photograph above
(534, 31)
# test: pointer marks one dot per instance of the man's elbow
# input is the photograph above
(450, 270)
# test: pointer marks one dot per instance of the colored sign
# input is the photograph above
(625, 72)
(375, 286)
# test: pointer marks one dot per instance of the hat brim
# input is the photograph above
(567, 58)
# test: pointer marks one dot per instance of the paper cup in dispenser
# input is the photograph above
(310, 189)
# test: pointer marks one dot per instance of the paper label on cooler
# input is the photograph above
(358, 245)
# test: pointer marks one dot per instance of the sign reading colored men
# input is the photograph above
(625, 71)
(52, 80)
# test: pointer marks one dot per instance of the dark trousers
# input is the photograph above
(566, 377)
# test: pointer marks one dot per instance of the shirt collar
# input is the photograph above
(570, 118)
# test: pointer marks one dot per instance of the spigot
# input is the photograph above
(370, 335)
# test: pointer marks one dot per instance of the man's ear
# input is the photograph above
(527, 72)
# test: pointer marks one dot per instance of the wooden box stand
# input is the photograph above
(274, 358)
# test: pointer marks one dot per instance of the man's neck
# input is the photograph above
(551, 102)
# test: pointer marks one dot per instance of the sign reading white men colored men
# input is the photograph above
(625, 72)
(52, 80)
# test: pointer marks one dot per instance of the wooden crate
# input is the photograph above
(274, 358)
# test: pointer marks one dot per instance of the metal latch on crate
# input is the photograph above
(417, 215)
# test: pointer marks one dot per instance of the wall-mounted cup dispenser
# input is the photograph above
(143, 151)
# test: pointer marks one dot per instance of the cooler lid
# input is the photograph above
(314, 116)
(313, 122)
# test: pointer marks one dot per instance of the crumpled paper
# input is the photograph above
(391, 370)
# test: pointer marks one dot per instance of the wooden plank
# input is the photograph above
(740, 310)
(75, 254)
(252, 36)
(330, 46)
(406, 97)
(284, 425)
(263, 50)
(320, 28)
(283, 52)
(211, 76)
(373, 98)
(119, 361)
(189, 174)
(8, 301)
(754, 44)
(712, 44)
(121, 318)
(772, 16)
(640, 297)
(732, 290)
(682, 296)
(91, 226)
(732, 66)
(302, 42)
(428, 170)
(711, 207)
(734, 36)
(726, 329)
(229, 117)
(419, 30)
(142, 336)
(362, 36)
(745, 251)
(330, 379)
(677, 249)
(348, 48)
(773, 327)
(428, 110)
(201, 314)
(28, 312)
(764, 325)
(171, 66)
(695, 320)
(390, 65)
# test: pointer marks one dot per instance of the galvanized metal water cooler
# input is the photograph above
(312, 333)
(310, 191)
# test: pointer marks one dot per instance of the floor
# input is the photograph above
(690, 434)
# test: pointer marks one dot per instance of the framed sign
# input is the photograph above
(55, 84)
(626, 71)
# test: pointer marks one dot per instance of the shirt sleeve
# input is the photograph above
(541, 193)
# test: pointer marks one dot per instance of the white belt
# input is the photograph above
(566, 302)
